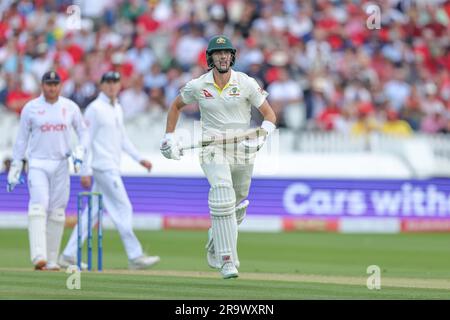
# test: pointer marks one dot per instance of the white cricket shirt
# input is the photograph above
(108, 136)
(226, 109)
(44, 129)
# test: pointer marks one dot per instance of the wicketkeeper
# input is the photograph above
(44, 132)
(225, 98)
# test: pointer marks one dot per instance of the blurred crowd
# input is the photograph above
(326, 64)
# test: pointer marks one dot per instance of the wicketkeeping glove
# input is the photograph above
(15, 175)
(77, 157)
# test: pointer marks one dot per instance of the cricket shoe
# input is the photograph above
(51, 266)
(143, 262)
(65, 262)
(39, 263)
(229, 271)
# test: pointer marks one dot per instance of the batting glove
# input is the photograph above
(15, 175)
(170, 148)
(253, 145)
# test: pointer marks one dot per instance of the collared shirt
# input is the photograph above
(45, 129)
(226, 109)
(108, 137)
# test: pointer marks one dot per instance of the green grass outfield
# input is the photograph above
(273, 266)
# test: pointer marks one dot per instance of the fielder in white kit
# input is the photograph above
(104, 118)
(225, 98)
(44, 132)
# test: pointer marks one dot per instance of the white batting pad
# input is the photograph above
(241, 210)
(36, 231)
(223, 222)
(224, 234)
(55, 230)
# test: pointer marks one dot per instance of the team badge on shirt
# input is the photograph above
(207, 94)
(234, 92)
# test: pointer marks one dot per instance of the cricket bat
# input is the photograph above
(217, 140)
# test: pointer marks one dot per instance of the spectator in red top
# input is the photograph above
(75, 51)
(326, 119)
(120, 64)
(146, 23)
(4, 29)
(60, 68)
(17, 97)
(13, 18)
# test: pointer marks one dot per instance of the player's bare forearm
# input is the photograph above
(174, 114)
(267, 112)
(172, 118)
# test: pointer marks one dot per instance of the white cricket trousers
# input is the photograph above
(49, 187)
(231, 167)
(49, 183)
(239, 176)
(118, 206)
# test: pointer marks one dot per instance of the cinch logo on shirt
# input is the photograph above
(53, 127)
(207, 94)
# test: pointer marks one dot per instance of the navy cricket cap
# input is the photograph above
(51, 77)
(110, 76)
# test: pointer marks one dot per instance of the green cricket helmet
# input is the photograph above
(219, 43)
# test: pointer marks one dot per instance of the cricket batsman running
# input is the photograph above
(225, 98)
